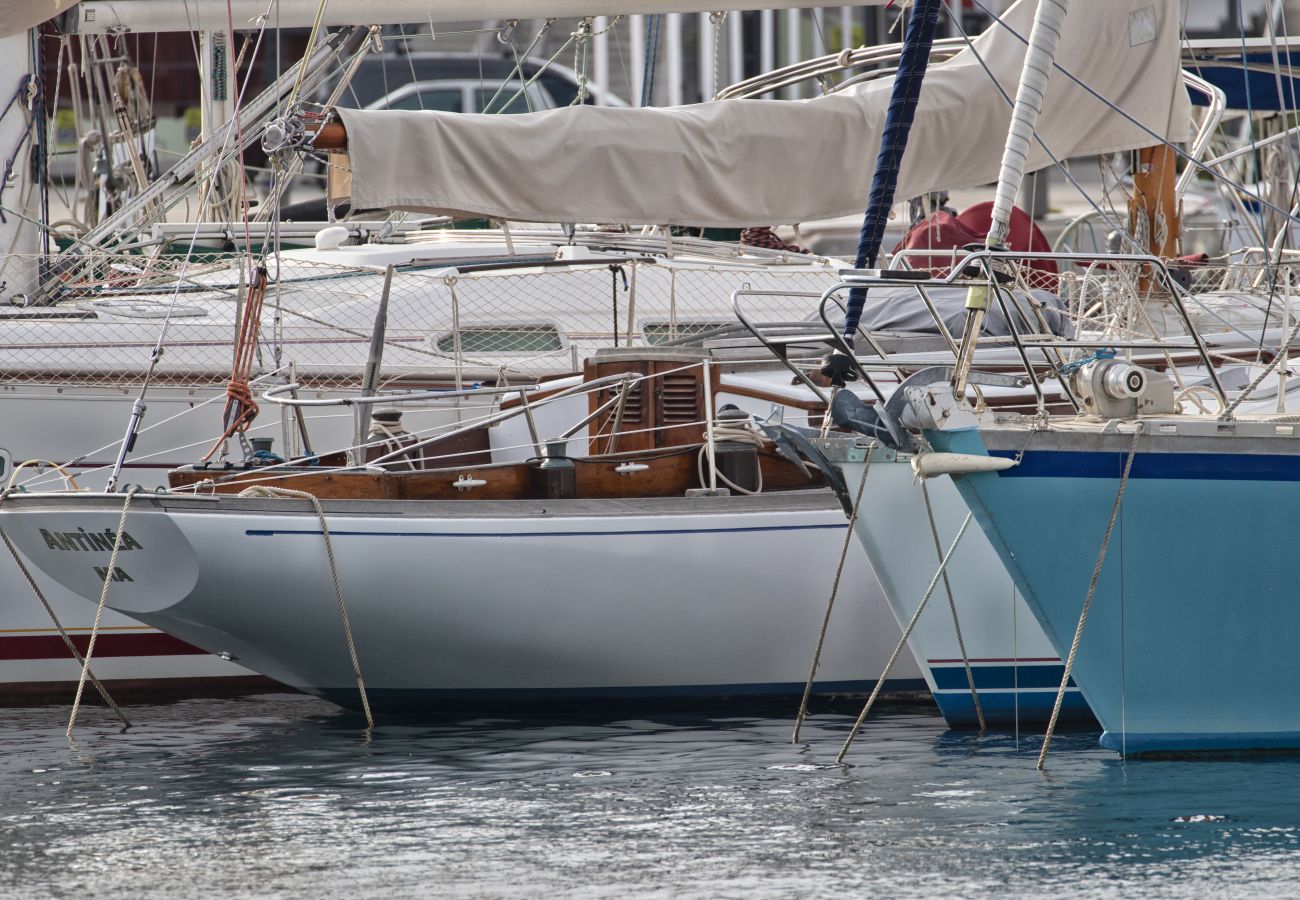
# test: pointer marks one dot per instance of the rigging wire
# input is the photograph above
(138, 406)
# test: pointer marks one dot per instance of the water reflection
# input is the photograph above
(283, 794)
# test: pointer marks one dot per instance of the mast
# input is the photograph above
(1046, 33)
(216, 109)
(906, 93)
(1153, 207)
(20, 240)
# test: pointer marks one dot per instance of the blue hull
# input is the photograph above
(1191, 642)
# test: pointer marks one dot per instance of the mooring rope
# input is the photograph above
(830, 603)
(262, 491)
(63, 633)
(1087, 600)
(902, 641)
(952, 605)
(99, 610)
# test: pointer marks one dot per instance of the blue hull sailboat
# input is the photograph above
(1190, 638)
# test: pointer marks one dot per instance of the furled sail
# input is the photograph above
(18, 15)
(744, 162)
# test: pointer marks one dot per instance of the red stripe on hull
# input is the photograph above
(137, 690)
(51, 646)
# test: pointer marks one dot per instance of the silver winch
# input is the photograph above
(1116, 389)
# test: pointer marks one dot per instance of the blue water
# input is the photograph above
(280, 795)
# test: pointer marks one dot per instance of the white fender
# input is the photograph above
(930, 465)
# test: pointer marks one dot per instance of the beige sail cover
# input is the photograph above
(18, 15)
(737, 163)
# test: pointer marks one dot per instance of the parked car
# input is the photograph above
(384, 74)
(466, 96)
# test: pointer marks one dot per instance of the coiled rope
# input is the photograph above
(743, 433)
(1087, 600)
(830, 602)
(902, 641)
(99, 610)
(262, 491)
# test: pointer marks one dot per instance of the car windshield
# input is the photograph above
(444, 99)
(511, 92)
(444, 96)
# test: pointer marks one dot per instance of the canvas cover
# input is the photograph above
(901, 310)
(16, 16)
(737, 163)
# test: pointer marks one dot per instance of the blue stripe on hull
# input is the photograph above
(1010, 694)
(1011, 708)
(999, 677)
(613, 532)
(1179, 466)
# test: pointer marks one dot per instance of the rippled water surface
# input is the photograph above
(282, 795)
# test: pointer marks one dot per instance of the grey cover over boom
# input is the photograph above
(753, 162)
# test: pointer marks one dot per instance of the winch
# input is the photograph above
(1116, 389)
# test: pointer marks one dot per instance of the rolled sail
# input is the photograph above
(744, 162)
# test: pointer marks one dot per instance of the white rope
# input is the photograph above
(1087, 600)
(391, 439)
(744, 433)
(261, 491)
(99, 611)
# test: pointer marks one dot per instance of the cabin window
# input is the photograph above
(503, 339)
(663, 332)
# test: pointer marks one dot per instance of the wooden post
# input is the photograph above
(1153, 210)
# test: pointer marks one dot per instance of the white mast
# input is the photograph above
(1048, 20)
(216, 109)
(19, 239)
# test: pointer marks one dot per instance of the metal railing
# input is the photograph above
(971, 269)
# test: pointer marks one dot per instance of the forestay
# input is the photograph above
(740, 163)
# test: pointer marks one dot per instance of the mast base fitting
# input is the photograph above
(838, 367)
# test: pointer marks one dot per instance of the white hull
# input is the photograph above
(482, 602)
(71, 373)
(1017, 671)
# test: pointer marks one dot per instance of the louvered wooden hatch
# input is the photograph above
(666, 410)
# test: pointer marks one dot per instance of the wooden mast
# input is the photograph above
(1153, 207)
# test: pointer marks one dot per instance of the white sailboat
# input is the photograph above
(610, 199)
